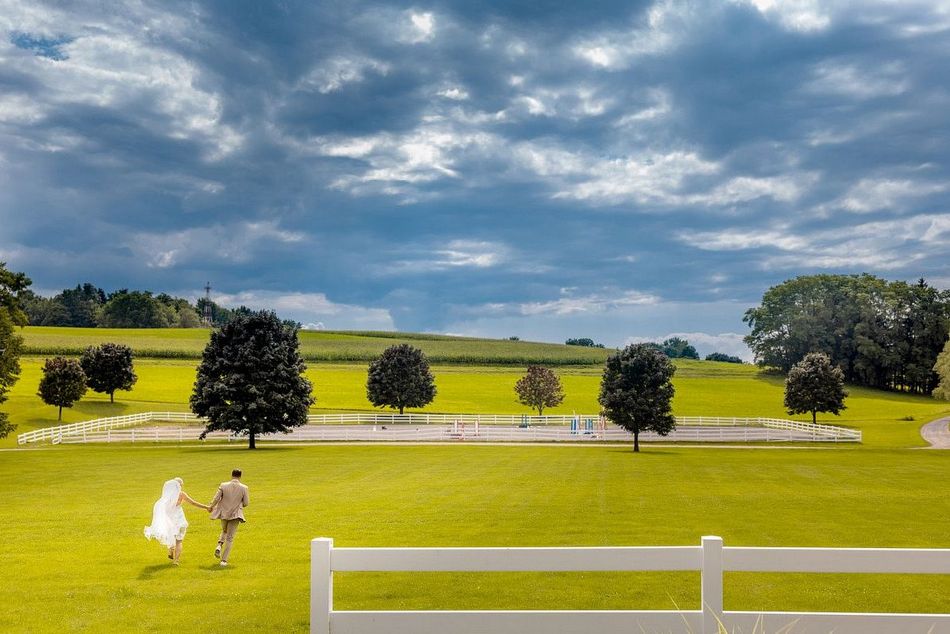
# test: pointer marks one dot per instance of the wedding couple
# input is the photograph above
(168, 517)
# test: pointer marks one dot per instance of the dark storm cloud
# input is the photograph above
(627, 169)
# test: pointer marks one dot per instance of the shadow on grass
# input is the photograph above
(643, 451)
(216, 567)
(235, 447)
(148, 572)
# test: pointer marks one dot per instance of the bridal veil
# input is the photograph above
(167, 518)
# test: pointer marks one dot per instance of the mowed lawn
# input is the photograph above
(702, 388)
(74, 558)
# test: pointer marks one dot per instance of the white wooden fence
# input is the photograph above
(490, 427)
(444, 433)
(710, 558)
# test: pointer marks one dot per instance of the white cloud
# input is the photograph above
(333, 74)
(593, 303)
(794, 15)
(395, 162)
(460, 254)
(230, 243)
(472, 253)
(885, 245)
(654, 33)
(455, 93)
(870, 194)
(112, 65)
(857, 82)
(660, 107)
(420, 27)
(746, 188)
(649, 178)
(739, 239)
(313, 309)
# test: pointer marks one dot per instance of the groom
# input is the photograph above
(228, 506)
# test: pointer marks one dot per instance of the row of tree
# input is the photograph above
(881, 334)
(88, 306)
(673, 347)
(105, 368)
(251, 381)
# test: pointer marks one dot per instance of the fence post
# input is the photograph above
(712, 583)
(321, 585)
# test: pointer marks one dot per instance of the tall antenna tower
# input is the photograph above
(206, 317)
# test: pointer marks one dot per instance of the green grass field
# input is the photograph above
(74, 558)
(187, 343)
(702, 388)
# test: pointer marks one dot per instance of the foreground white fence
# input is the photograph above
(710, 558)
(417, 427)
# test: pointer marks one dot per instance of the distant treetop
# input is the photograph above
(675, 348)
(585, 342)
(724, 358)
(88, 306)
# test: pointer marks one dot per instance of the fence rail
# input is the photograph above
(711, 558)
(438, 433)
(417, 427)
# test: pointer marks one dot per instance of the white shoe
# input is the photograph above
(224, 563)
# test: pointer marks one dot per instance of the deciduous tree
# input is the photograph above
(815, 385)
(250, 379)
(723, 358)
(881, 334)
(636, 391)
(942, 368)
(108, 368)
(63, 383)
(11, 316)
(539, 388)
(400, 378)
(678, 348)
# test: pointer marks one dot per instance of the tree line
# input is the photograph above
(881, 334)
(88, 306)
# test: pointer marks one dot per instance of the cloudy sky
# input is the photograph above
(613, 170)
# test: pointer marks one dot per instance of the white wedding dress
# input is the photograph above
(168, 518)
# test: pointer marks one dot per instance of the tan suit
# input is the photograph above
(228, 506)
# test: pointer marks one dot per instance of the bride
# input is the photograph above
(168, 518)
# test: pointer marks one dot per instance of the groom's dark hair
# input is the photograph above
(235, 473)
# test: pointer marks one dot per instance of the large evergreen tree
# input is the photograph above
(63, 383)
(251, 380)
(539, 388)
(108, 368)
(815, 385)
(400, 378)
(636, 391)
(11, 316)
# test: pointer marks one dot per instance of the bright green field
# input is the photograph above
(187, 343)
(74, 558)
(702, 388)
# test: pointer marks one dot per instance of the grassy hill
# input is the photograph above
(324, 345)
